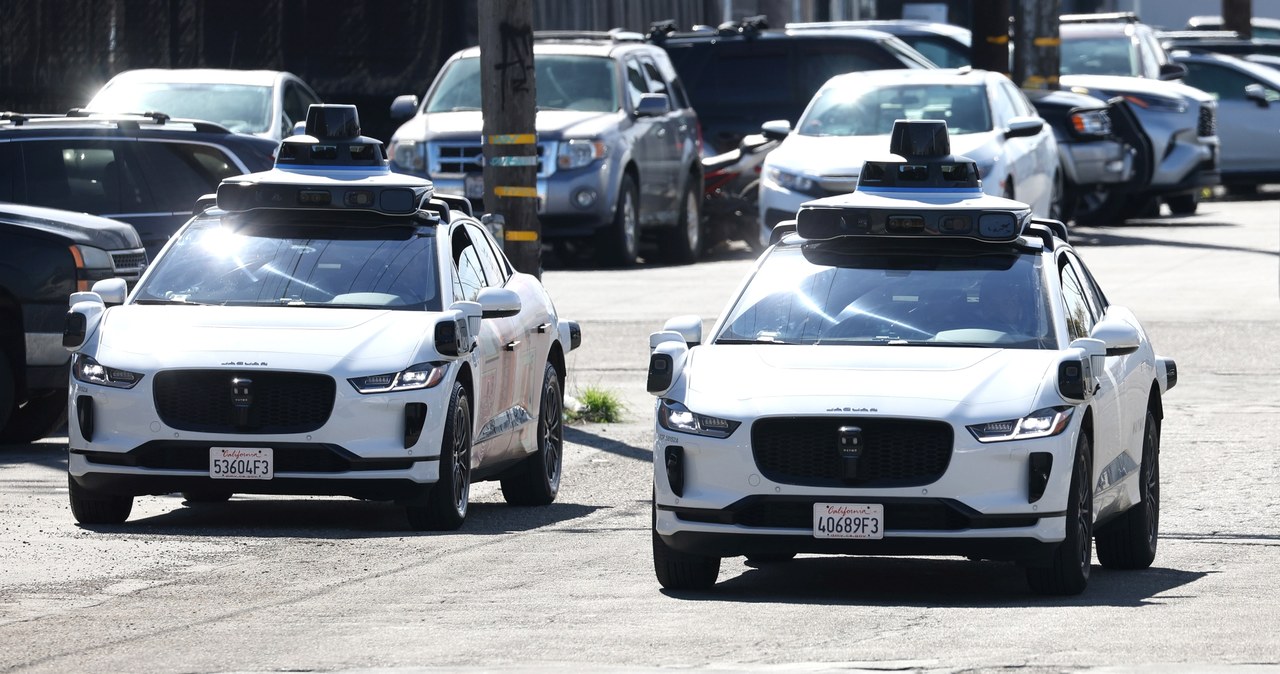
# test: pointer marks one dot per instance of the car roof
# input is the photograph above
(1102, 29)
(583, 43)
(893, 27)
(921, 76)
(261, 78)
(1258, 70)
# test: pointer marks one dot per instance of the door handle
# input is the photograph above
(511, 346)
(542, 329)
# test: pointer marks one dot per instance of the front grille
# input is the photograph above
(1208, 124)
(896, 452)
(128, 264)
(277, 402)
(459, 158)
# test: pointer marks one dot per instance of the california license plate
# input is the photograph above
(473, 184)
(241, 463)
(848, 520)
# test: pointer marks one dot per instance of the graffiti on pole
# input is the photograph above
(516, 67)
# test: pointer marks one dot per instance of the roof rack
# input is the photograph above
(749, 26)
(659, 30)
(1101, 17)
(615, 35)
(1047, 230)
(121, 119)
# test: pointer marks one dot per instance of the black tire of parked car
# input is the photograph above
(42, 415)
(536, 480)
(683, 243)
(7, 393)
(1130, 541)
(619, 243)
(680, 570)
(90, 507)
(1183, 204)
(445, 507)
(1068, 570)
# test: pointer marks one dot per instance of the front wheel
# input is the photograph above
(1183, 204)
(445, 508)
(536, 480)
(91, 507)
(619, 242)
(1068, 570)
(682, 244)
(1129, 541)
(680, 570)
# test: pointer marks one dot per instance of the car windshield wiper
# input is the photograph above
(758, 340)
(162, 300)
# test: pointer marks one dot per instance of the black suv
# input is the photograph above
(147, 170)
(743, 74)
(617, 142)
(45, 255)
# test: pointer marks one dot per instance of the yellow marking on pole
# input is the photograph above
(521, 235)
(513, 139)
(1046, 42)
(997, 39)
(511, 191)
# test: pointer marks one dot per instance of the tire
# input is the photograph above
(1068, 570)
(1241, 190)
(1183, 204)
(536, 481)
(39, 417)
(445, 508)
(1099, 207)
(7, 392)
(206, 497)
(89, 507)
(619, 243)
(771, 557)
(1058, 208)
(1130, 541)
(679, 570)
(682, 244)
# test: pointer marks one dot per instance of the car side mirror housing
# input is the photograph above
(81, 319)
(112, 291)
(776, 129)
(688, 326)
(653, 105)
(1257, 94)
(498, 302)
(1120, 337)
(403, 107)
(1024, 127)
(665, 364)
(1172, 71)
(455, 331)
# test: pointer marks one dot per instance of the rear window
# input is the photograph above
(179, 173)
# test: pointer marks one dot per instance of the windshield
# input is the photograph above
(239, 107)
(822, 296)
(1099, 56)
(248, 260)
(586, 83)
(857, 111)
(945, 52)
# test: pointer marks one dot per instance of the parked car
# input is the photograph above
(617, 140)
(266, 103)
(945, 45)
(1262, 27)
(45, 255)
(1220, 42)
(147, 170)
(915, 368)
(849, 121)
(1248, 96)
(325, 328)
(1113, 44)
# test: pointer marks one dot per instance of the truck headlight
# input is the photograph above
(409, 156)
(579, 152)
(1091, 123)
(86, 369)
(788, 180)
(674, 416)
(420, 376)
(1039, 424)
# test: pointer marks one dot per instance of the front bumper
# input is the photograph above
(558, 212)
(1105, 162)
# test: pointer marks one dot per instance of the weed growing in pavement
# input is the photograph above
(594, 405)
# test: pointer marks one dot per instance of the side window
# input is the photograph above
(1004, 108)
(179, 173)
(1079, 316)
(734, 77)
(493, 269)
(816, 63)
(8, 157)
(91, 176)
(467, 261)
(1147, 54)
(636, 83)
(1224, 83)
(1097, 301)
(679, 98)
(295, 103)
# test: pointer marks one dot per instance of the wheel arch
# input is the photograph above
(1155, 403)
(556, 357)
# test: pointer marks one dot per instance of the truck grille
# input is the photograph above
(1208, 124)
(128, 264)
(460, 158)
(277, 402)
(896, 452)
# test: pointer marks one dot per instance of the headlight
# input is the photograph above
(1091, 123)
(409, 156)
(420, 376)
(1039, 424)
(86, 369)
(579, 152)
(676, 417)
(792, 181)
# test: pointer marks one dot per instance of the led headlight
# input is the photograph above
(674, 416)
(420, 376)
(86, 369)
(579, 152)
(788, 180)
(1039, 424)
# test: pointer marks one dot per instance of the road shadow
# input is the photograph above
(581, 436)
(1117, 236)
(49, 453)
(915, 582)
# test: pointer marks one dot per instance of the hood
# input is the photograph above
(300, 338)
(1106, 86)
(550, 124)
(836, 156)
(895, 380)
(79, 228)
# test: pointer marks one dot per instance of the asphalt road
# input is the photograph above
(308, 584)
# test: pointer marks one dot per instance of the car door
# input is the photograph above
(1247, 128)
(490, 399)
(674, 131)
(649, 137)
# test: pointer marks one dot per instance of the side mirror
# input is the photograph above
(1257, 94)
(653, 105)
(570, 334)
(81, 319)
(111, 290)
(1076, 380)
(498, 303)
(1024, 127)
(665, 364)
(404, 107)
(1120, 337)
(689, 327)
(1173, 71)
(455, 332)
(776, 129)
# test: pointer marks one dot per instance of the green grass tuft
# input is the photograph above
(596, 405)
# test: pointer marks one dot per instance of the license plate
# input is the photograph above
(848, 520)
(241, 463)
(474, 186)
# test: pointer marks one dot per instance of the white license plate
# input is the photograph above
(241, 463)
(474, 186)
(848, 520)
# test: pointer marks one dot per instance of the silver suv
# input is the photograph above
(618, 143)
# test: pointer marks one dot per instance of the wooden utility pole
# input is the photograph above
(989, 24)
(1035, 43)
(508, 102)
(1237, 15)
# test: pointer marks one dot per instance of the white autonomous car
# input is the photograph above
(915, 368)
(327, 328)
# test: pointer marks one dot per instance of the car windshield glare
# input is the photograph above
(584, 83)
(251, 260)
(241, 108)
(1099, 56)
(819, 296)
(855, 110)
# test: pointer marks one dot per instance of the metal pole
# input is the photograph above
(1035, 43)
(1237, 15)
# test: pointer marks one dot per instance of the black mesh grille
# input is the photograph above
(1208, 125)
(896, 452)
(279, 402)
